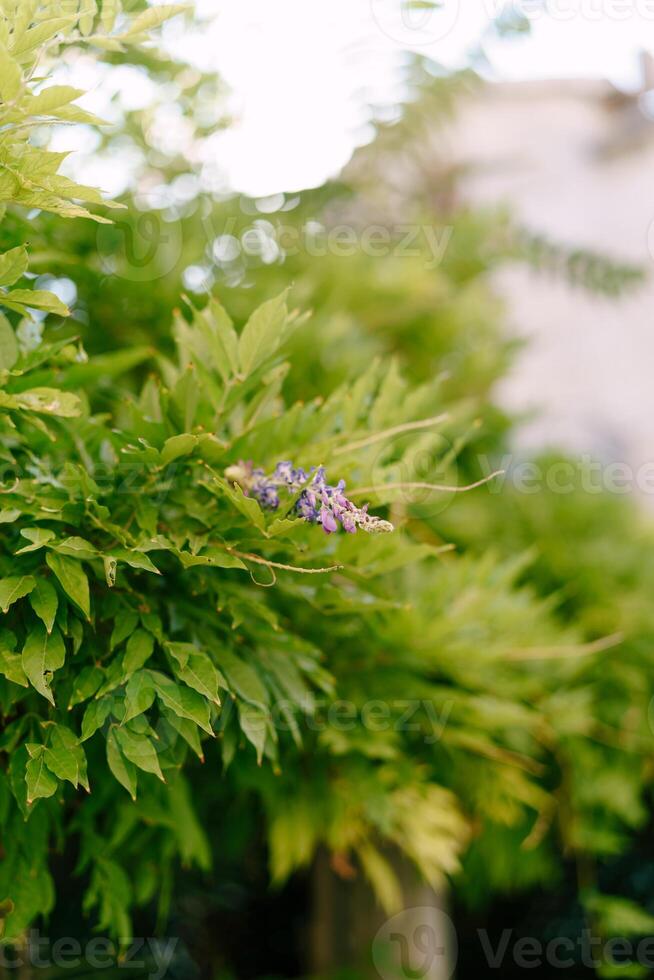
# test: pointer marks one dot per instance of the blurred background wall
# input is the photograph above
(573, 158)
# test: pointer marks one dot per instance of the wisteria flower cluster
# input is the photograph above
(318, 502)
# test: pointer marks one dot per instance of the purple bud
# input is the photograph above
(318, 501)
(327, 520)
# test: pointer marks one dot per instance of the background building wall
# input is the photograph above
(575, 162)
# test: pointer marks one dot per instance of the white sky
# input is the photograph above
(303, 74)
(303, 71)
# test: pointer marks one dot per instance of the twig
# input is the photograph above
(425, 486)
(276, 564)
(387, 433)
(553, 653)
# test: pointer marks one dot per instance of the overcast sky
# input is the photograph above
(302, 72)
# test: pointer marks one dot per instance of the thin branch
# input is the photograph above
(580, 650)
(387, 433)
(276, 564)
(441, 488)
(540, 828)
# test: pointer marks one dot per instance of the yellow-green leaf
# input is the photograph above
(44, 601)
(73, 579)
(139, 649)
(11, 76)
(49, 401)
(153, 17)
(42, 654)
(8, 344)
(15, 587)
(139, 750)
(13, 265)
(122, 768)
(262, 333)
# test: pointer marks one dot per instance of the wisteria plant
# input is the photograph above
(177, 599)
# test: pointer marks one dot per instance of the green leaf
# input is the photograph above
(152, 623)
(282, 526)
(49, 401)
(122, 768)
(73, 580)
(23, 300)
(39, 35)
(153, 17)
(44, 601)
(11, 76)
(211, 557)
(8, 344)
(200, 674)
(51, 98)
(42, 654)
(218, 329)
(181, 652)
(242, 678)
(187, 729)
(17, 773)
(139, 649)
(182, 700)
(135, 559)
(139, 750)
(11, 667)
(85, 685)
(88, 11)
(94, 718)
(64, 756)
(13, 588)
(176, 446)
(13, 265)
(262, 333)
(76, 547)
(254, 725)
(39, 536)
(124, 625)
(109, 11)
(247, 506)
(139, 695)
(191, 838)
(40, 781)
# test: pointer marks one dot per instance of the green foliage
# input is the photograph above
(369, 694)
(32, 31)
(130, 611)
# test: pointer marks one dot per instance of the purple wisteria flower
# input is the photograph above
(318, 502)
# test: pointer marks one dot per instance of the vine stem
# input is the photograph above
(360, 491)
(387, 433)
(276, 564)
(580, 650)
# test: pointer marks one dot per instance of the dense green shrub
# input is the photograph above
(149, 603)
